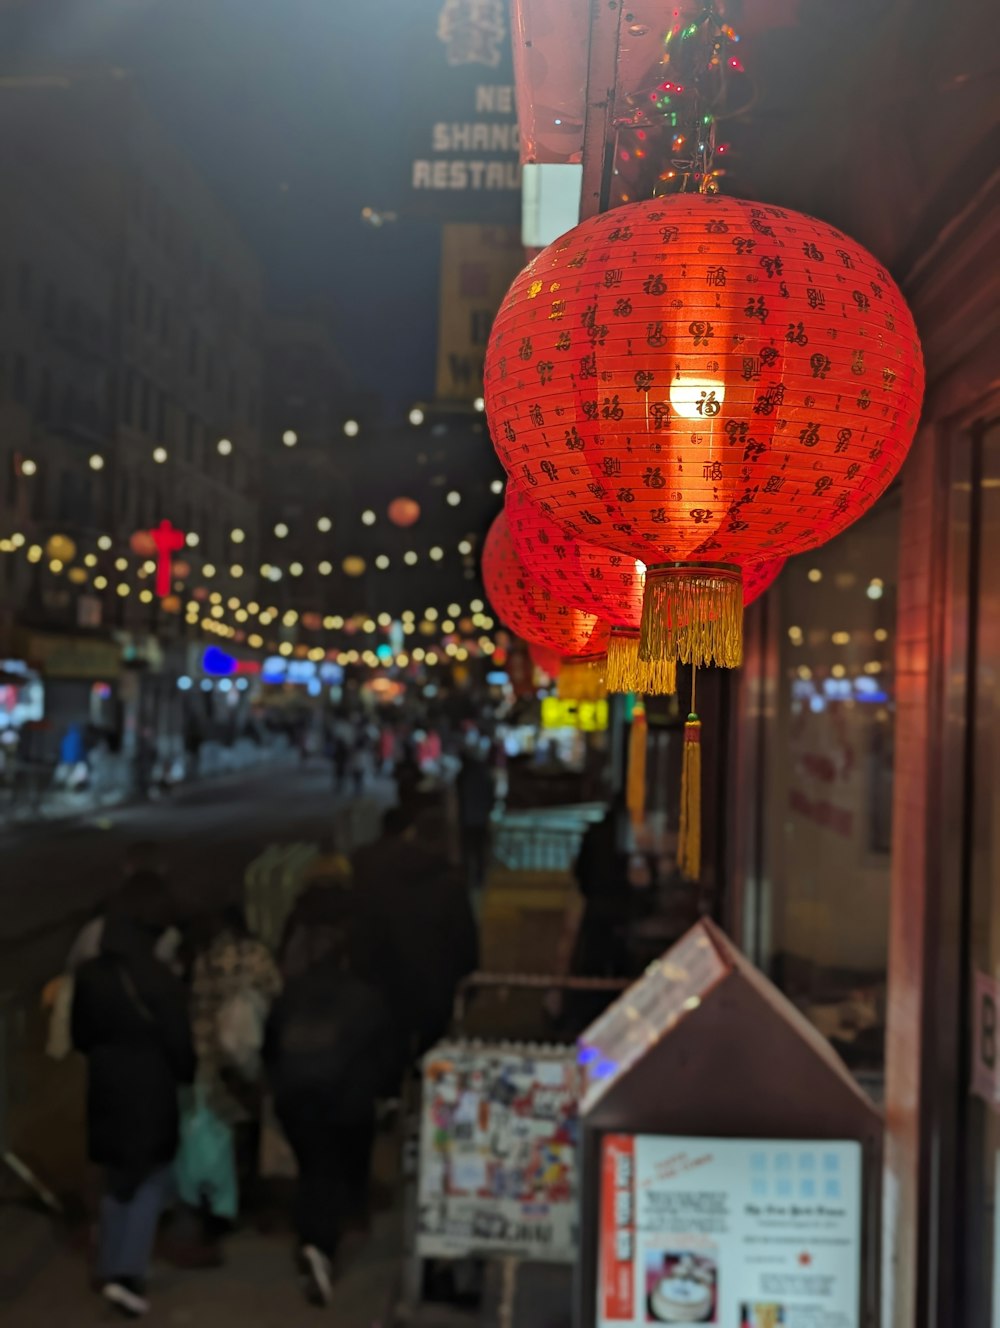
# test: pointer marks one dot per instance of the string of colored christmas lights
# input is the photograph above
(693, 94)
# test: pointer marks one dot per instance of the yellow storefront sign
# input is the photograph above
(587, 716)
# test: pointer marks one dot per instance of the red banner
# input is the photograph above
(617, 1240)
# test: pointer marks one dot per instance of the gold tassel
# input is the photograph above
(582, 679)
(628, 673)
(693, 613)
(689, 834)
(635, 779)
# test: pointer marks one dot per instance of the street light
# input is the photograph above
(352, 428)
(224, 447)
(289, 437)
(416, 416)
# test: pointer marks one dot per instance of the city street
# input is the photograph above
(53, 876)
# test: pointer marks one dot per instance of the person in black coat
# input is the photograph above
(476, 796)
(416, 920)
(330, 1049)
(130, 1020)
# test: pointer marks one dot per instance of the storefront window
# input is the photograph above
(827, 831)
(981, 1093)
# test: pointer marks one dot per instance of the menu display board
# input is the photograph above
(498, 1156)
(746, 1233)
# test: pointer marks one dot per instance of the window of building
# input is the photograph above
(823, 880)
(129, 396)
(161, 416)
(131, 295)
(145, 405)
(209, 371)
(980, 1122)
(45, 395)
(19, 379)
(23, 287)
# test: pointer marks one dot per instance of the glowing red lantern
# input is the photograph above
(533, 612)
(549, 661)
(611, 584)
(703, 383)
(404, 512)
(143, 544)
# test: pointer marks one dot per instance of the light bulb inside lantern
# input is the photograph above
(697, 398)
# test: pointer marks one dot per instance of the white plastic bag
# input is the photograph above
(240, 1031)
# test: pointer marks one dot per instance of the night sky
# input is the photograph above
(296, 112)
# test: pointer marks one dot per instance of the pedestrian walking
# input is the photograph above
(331, 1050)
(144, 892)
(476, 796)
(234, 981)
(129, 1018)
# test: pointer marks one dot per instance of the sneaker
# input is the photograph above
(126, 1301)
(319, 1275)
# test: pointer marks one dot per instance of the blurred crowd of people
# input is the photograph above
(197, 1035)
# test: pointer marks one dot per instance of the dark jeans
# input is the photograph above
(334, 1161)
(129, 1218)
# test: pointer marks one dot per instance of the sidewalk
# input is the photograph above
(112, 785)
(257, 1288)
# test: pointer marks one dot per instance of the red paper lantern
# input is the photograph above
(611, 584)
(549, 661)
(142, 543)
(528, 609)
(404, 512)
(703, 383)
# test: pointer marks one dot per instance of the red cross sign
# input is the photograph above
(168, 541)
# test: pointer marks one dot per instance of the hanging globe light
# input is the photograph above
(404, 512)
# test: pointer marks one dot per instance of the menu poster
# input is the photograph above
(746, 1233)
(498, 1153)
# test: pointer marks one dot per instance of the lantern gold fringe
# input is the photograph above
(689, 837)
(582, 679)
(635, 778)
(693, 614)
(628, 673)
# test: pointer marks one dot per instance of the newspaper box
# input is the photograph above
(730, 1163)
(497, 1155)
